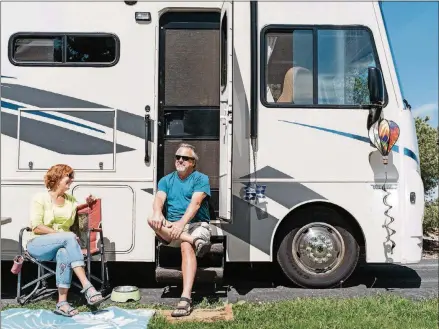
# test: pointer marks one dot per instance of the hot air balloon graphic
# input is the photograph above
(383, 134)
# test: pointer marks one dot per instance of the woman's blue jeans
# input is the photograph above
(62, 246)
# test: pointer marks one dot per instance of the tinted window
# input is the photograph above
(38, 49)
(69, 49)
(96, 49)
(343, 60)
(318, 66)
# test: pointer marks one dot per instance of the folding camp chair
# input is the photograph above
(88, 234)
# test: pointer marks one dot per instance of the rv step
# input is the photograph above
(215, 248)
(204, 274)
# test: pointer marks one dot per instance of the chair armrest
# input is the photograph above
(20, 238)
(27, 228)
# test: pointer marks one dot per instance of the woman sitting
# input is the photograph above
(52, 215)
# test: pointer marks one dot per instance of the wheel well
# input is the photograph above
(285, 225)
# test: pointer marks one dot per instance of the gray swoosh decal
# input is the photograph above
(102, 118)
(287, 194)
(267, 173)
(57, 139)
(290, 194)
(127, 122)
(42, 98)
(245, 213)
(249, 218)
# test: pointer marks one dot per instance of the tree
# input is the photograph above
(428, 153)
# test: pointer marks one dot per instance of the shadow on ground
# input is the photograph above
(243, 277)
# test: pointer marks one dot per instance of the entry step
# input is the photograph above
(215, 248)
(204, 274)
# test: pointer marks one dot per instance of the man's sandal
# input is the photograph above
(62, 312)
(89, 295)
(183, 310)
(202, 247)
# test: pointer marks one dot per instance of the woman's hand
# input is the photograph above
(90, 200)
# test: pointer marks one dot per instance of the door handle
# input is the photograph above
(147, 129)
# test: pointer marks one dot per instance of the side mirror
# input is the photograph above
(376, 86)
(376, 95)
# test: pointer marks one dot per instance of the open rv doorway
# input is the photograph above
(189, 102)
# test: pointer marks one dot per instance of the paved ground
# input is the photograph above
(261, 283)
(416, 281)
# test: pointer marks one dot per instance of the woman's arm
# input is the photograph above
(89, 201)
(43, 229)
(81, 206)
(36, 217)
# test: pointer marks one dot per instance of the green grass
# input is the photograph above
(380, 312)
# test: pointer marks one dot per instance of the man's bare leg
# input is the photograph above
(165, 233)
(189, 269)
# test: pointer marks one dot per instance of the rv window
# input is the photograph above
(64, 49)
(318, 66)
(97, 49)
(224, 52)
(192, 123)
(38, 49)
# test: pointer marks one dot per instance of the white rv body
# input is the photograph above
(304, 155)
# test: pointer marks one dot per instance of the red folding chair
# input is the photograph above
(90, 248)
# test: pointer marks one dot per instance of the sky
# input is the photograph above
(412, 29)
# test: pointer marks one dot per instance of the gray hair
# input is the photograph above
(189, 146)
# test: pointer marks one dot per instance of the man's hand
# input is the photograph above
(156, 221)
(177, 229)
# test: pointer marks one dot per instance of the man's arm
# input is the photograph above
(192, 209)
(156, 219)
(159, 201)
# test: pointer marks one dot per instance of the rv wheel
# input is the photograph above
(319, 254)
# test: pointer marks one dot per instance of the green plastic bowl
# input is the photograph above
(122, 294)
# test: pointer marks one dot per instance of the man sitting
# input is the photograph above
(187, 224)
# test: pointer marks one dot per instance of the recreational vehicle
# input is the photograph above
(277, 98)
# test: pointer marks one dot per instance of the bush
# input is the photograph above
(429, 158)
(431, 217)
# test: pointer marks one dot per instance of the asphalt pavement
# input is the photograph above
(259, 282)
(414, 281)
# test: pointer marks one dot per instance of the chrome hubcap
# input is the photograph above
(318, 248)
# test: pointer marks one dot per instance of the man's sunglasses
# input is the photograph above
(71, 175)
(185, 158)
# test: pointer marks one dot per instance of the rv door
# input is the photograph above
(225, 167)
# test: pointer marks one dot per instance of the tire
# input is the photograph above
(306, 267)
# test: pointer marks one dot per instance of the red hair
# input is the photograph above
(55, 174)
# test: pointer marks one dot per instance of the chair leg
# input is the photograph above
(104, 267)
(37, 290)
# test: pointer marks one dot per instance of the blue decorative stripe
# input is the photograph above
(11, 106)
(411, 154)
(407, 151)
(5, 76)
(357, 137)
(16, 107)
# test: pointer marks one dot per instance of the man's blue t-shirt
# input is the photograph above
(179, 194)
